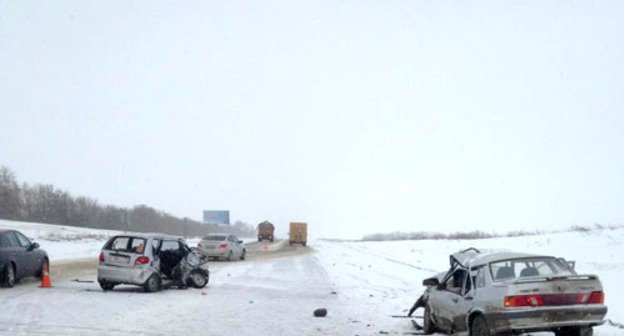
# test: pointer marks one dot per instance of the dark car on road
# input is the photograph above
(19, 257)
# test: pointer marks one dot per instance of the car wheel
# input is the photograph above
(229, 257)
(575, 331)
(479, 327)
(106, 285)
(152, 284)
(198, 279)
(243, 254)
(9, 276)
(44, 265)
(428, 325)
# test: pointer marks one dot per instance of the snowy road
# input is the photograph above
(269, 294)
(276, 290)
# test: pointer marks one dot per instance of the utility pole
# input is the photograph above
(126, 220)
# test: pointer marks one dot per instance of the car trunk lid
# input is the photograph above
(210, 244)
(556, 290)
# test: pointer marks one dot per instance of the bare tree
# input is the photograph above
(9, 194)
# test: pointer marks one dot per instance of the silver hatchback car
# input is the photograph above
(223, 246)
(485, 294)
(139, 259)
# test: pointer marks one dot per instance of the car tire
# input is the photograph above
(575, 331)
(229, 257)
(198, 279)
(9, 276)
(479, 327)
(242, 257)
(105, 285)
(428, 325)
(152, 284)
(41, 271)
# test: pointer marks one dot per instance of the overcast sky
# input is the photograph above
(356, 116)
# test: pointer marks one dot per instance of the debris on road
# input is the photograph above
(321, 312)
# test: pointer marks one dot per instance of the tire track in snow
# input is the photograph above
(403, 263)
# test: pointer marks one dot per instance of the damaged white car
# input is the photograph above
(488, 293)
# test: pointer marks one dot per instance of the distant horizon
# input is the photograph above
(357, 118)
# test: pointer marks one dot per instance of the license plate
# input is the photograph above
(118, 259)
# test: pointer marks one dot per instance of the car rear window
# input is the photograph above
(127, 244)
(527, 267)
(216, 238)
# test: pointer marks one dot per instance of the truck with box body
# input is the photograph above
(298, 233)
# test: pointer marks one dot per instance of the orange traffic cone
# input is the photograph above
(45, 280)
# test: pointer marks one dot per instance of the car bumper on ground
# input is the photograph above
(546, 318)
(132, 275)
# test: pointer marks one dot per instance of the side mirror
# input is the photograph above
(240, 241)
(33, 246)
(431, 282)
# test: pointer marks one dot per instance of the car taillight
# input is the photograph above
(223, 246)
(141, 260)
(101, 256)
(553, 299)
(596, 298)
(523, 301)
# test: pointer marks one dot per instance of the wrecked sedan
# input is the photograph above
(487, 293)
(151, 261)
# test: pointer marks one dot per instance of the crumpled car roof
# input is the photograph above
(475, 257)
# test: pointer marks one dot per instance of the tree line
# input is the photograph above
(45, 203)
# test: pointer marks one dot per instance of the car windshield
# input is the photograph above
(215, 238)
(527, 267)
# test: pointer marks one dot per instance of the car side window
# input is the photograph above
(24, 242)
(13, 239)
(5, 241)
(479, 279)
(170, 245)
(455, 282)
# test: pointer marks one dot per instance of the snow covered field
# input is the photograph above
(64, 243)
(360, 283)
